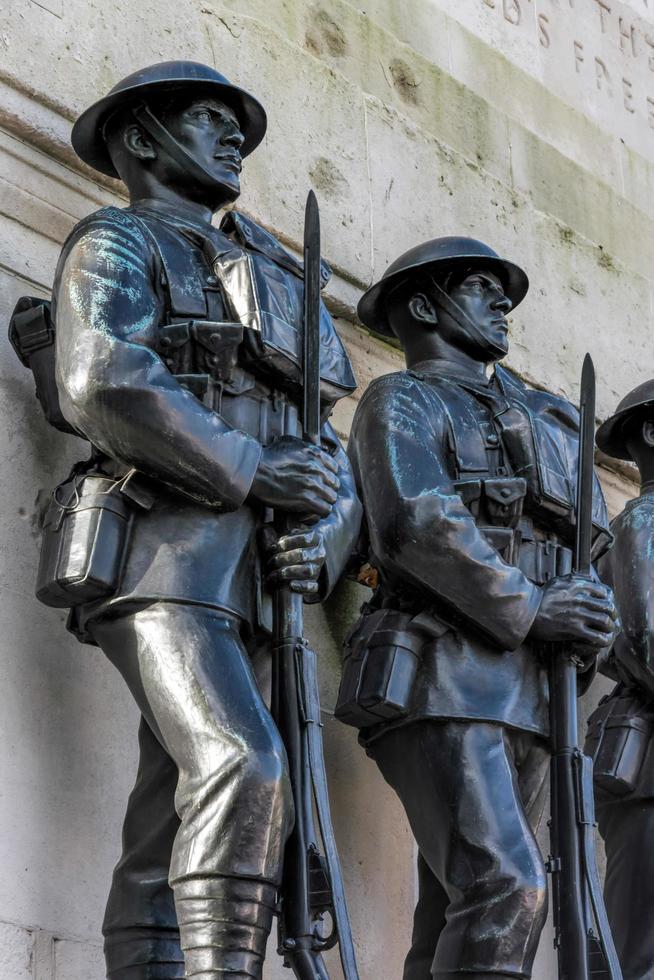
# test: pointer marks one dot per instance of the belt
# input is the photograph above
(540, 557)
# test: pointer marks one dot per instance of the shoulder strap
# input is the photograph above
(468, 442)
(247, 233)
(181, 269)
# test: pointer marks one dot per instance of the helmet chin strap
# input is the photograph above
(165, 139)
(460, 316)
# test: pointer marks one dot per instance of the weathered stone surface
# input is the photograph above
(17, 947)
(410, 120)
(77, 961)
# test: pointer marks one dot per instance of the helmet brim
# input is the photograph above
(610, 435)
(87, 135)
(372, 310)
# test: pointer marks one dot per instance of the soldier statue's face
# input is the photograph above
(484, 328)
(211, 133)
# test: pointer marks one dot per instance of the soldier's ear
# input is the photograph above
(648, 432)
(138, 144)
(422, 309)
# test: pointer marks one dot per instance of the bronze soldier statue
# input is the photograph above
(620, 732)
(178, 358)
(467, 482)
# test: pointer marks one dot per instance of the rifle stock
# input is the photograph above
(582, 936)
(312, 883)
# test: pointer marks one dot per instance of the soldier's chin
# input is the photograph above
(226, 189)
(500, 342)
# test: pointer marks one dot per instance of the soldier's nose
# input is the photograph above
(234, 137)
(502, 303)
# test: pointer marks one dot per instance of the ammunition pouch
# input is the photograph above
(204, 357)
(381, 660)
(620, 731)
(85, 537)
(496, 501)
(497, 506)
(201, 347)
(32, 335)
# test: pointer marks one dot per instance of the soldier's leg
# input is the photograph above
(531, 757)
(189, 672)
(459, 785)
(428, 923)
(140, 924)
(628, 831)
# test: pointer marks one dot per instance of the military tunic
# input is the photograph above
(468, 492)
(626, 821)
(151, 369)
(114, 291)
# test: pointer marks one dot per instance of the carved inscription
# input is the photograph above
(608, 48)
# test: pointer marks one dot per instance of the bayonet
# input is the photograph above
(586, 473)
(311, 338)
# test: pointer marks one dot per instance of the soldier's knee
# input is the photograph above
(265, 773)
(264, 765)
(531, 888)
(253, 768)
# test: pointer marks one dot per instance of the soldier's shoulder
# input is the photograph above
(386, 384)
(398, 395)
(109, 223)
(638, 514)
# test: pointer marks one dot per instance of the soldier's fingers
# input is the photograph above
(314, 470)
(292, 572)
(594, 639)
(329, 461)
(332, 480)
(304, 588)
(604, 606)
(297, 539)
(318, 487)
(312, 504)
(596, 621)
(287, 558)
(595, 589)
(325, 458)
(298, 556)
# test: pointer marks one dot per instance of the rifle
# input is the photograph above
(312, 884)
(582, 934)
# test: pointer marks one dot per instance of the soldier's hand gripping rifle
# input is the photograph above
(582, 934)
(312, 882)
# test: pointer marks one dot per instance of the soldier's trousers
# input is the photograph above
(474, 794)
(211, 809)
(627, 827)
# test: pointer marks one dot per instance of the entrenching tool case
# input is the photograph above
(85, 537)
(381, 661)
(619, 732)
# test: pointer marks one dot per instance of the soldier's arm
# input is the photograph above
(340, 530)
(632, 568)
(118, 392)
(420, 530)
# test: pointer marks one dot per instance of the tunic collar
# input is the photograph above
(440, 367)
(186, 221)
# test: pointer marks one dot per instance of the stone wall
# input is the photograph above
(529, 123)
